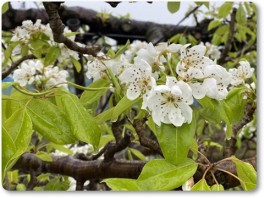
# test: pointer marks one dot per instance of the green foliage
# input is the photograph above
(88, 98)
(5, 7)
(206, 4)
(50, 121)
(213, 24)
(52, 55)
(44, 156)
(175, 142)
(83, 125)
(158, 175)
(241, 15)
(76, 64)
(173, 7)
(225, 9)
(246, 174)
(201, 185)
(17, 131)
(57, 185)
(114, 112)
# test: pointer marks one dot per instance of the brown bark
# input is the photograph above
(117, 28)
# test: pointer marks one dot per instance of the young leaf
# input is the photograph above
(217, 187)
(76, 64)
(175, 142)
(117, 184)
(52, 55)
(206, 3)
(246, 173)
(89, 97)
(201, 185)
(137, 153)
(162, 175)
(225, 9)
(44, 156)
(84, 126)
(56, 185)
(213, 24)
(17, 131)
(122, 50)
(5, 7)
(241, 15)
(173, 6)
(114, 112)
(50, 121)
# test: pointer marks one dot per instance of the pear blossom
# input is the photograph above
(96, 69)
(192, 62)
(138, 79)
(134, 47)
(118, 65)
(25, 75)
(54, 77)
(213, 51)
(240, 74)
(170, 103)
(217, 80)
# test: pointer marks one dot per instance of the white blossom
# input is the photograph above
(25, 75)
(96, 69)
(138, 80)
(240, 74)
(55, 77)
(170, 103)
(134, 47)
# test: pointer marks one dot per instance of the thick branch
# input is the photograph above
(144, 141)
(80, 170)
(58, 27)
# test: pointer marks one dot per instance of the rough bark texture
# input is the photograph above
(120, 29)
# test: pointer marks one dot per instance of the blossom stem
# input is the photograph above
(85, 88)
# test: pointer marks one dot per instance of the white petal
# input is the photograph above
(195, 73)
(175, 90)
(176, 117)
(198, 90)
(186, 92)
(133, 91)
(197, 52)
(171, 81)
(162, 88)
(186, 111)
(174, 47)
(130, 75)
(211, 87)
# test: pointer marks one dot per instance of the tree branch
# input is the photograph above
(230, 147)
(16, 64)
(58, 27)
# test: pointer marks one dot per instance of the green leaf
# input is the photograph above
(89, 97)
(5, 85)
(217, 187)
(175, 142)
(69, 34)
(5, 7)
(76, 64)
(24, 49)
(173, 6)
(215, 111)
(225, 9)
(111, 53)
(17, 131)
(9, 50)
(122, 50)
(246, 173)
(61, 148)
(114, 112)
(21, 187)
(117, 184)
(162, 175)
(201, 185)
(84, 126)
(213, 24)
(56, 185)
(241, 15)
(44, 156)
(206, 3)
(137, 153)
(234, 104)
(50, 121)
(52, 55)
(223, 29)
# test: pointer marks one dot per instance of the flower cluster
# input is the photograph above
(27, 31)
(142, 70)
(33, 72)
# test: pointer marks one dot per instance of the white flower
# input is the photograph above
(118, 65)
(187, 186)
(216, 82)
(139, 80)
(134, 47)
(25, 75)
(240, 74)
(213, 51)
(192, 62)
(54, 77)
(96, 69)
(170, 103)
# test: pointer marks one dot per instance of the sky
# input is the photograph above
(155, 12)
